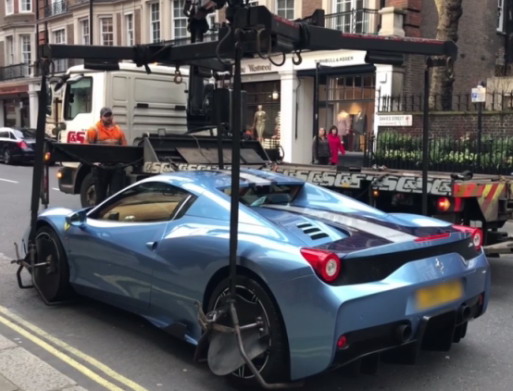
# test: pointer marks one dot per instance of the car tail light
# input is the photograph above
(22, 144)
(475, 233)
(325, 263)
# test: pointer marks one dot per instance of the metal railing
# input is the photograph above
(494, 155)
(495, 101)
(56, 8)
(355, 21)
(15, 71)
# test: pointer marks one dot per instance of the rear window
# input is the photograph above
(25, 133)
(273, 194)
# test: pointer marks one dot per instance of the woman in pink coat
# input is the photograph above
(336, 144)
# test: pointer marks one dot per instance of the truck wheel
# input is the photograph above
(88, 191)
(51, 280)
(253, 301)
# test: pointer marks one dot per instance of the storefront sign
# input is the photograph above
(335, 60)
(395, 120)
(254, 68)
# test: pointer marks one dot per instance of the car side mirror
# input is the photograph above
(77, 219)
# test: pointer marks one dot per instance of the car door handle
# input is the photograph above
(152, 245)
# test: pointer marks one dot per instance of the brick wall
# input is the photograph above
(309, 6)
(479, 44)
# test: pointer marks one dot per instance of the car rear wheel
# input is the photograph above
(88, 191)
(52, 279)
(254, 302)
(7, 156)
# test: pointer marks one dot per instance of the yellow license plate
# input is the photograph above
(438, 294)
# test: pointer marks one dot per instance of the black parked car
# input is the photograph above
(17, 145)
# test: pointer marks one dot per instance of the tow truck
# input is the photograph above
(249, 31)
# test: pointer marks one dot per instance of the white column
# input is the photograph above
(287, 112)
(33, 104)
(296, 117)
(389, 82)
(2, 114)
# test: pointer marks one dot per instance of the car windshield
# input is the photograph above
(258, 195)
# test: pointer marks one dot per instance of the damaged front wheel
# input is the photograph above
(262, 331)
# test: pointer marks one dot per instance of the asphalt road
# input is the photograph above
(136, 351)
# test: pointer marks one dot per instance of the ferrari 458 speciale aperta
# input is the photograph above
(328, 279)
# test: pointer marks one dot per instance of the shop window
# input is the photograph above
(263, 114)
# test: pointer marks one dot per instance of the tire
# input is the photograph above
(273, 364)
(7, 156)
(52, 281)
(88, 191)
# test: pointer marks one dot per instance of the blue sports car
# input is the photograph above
(329, 280)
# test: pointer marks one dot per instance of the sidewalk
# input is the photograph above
(20, 370)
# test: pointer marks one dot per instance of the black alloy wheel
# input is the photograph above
(52, 279)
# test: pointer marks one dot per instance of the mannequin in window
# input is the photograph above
(259, 122)
(344, 125)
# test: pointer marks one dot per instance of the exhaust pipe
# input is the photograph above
(465, 313)
(403, 333)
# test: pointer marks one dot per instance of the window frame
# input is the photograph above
(85, 25)
(9, 50)
(66, 109)
(100, 212)
(181, 17)
(154, 24)
(129, 29)
(102, 20)
(9, 10)
(26, 2)
(23, 39)
(285, 9)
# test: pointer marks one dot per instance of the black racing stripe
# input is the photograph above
(377, 267)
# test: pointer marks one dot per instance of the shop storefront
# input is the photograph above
(338, 87)
(14, 106)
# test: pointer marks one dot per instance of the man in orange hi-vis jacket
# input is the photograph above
(105, 131)
(108, 179)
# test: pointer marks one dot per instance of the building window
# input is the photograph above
(84, 28)
(155, 22)
(129, 24)
(9, 7)
(106, 31)
(285, 8)
(353, 16)
(25, 49)
(59, 36)
(25, 5)
(9, 50)
(179, 20)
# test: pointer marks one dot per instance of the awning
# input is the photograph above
(331, 71)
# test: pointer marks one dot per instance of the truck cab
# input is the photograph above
(141, 102)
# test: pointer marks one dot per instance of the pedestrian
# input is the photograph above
(336, 145)
(321, 148)
(108, 178)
